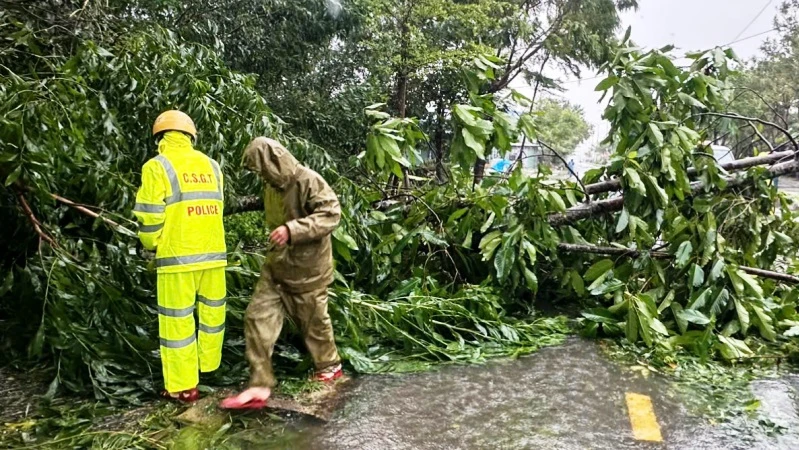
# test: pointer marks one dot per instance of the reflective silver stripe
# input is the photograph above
(200, 195)
(215, 166)
(149, 208)
(173, 179)
(212, 303)
(150, 228)
(180, 343)
(190, 259)
(211, 330)
(172, 312)
(178, 195)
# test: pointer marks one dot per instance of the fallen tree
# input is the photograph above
(80, 293)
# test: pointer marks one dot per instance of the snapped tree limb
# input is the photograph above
(632, 253)
(741, 164)
(616, 204)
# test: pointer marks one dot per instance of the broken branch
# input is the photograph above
(37, 226)
(632, 253)
(616, 204)
(741, 164)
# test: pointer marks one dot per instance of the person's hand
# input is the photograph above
(280, 236)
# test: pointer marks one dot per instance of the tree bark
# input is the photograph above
(632, 253)
(616, 204)
(245, 204)
(254, 203)
(741, 164)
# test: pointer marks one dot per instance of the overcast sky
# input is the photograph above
(689, 25)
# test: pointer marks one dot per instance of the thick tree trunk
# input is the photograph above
(479, 171)
(632, 253)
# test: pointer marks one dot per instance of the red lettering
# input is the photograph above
(191, 210)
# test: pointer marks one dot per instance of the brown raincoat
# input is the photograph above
(294, 278)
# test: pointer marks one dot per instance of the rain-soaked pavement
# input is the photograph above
(565, 397)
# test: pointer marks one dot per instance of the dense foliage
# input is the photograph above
(430, 272)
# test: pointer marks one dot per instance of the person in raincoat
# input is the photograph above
(179, 206)
(302, 210)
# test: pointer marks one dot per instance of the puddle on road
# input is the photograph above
(565, 397)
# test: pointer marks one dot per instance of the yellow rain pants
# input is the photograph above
(179, 295)
(180, 205)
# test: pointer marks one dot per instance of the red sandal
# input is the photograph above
(187, 396)
(256, 400)
(330, 374)
(233, 403)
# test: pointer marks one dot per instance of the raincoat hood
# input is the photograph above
(271, 161)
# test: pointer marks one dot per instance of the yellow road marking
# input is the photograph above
(642, 418)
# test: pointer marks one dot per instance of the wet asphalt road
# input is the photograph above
(565, 397)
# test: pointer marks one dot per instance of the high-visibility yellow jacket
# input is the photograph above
(180, 205)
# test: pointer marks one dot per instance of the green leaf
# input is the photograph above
(600, 315)
(489, 244)
(471, 142)
(13, 176)
(655, 135)
(694, 316)
(577, 283)
(764, 323)
(658, 327)
(736, 280)
(456, 215)
(631, 327)
(504, 260)
(464, 115)
(597, 269)
(488, 222)
(701, 299)
(531, 279)
(684, 254)
(530, 250)
(528, 126)
(696, 275)
(342, 236)
(608, 286)
(677, 310)
(751, 284)
(607, 83)
(666, 301)
(718, 267)
(557, 200)
(732, 348)
(685, 98)
(743, 315)
(634, 180)
(720, 303)
(624, 220)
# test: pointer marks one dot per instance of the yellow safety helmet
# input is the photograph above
(174, 120)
